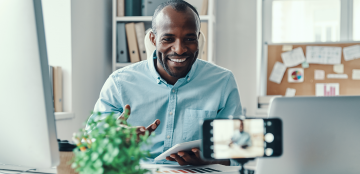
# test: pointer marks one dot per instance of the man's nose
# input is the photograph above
(179, 47)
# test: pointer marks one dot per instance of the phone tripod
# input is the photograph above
(242, 162)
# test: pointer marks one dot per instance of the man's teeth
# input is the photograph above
(178, 60)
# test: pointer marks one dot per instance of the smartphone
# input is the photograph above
(239, 139)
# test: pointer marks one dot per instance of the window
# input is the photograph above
(356, 20)
(305, 21)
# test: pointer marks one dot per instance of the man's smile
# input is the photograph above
(178, 60)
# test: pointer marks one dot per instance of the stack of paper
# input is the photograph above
(215, 168)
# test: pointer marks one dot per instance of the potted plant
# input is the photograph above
(112, 146)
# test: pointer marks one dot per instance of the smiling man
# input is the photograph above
(172, 87)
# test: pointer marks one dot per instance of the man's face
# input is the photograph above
(176, 41)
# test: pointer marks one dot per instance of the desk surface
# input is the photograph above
(230, 169)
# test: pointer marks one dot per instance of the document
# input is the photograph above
(277, 73)
(352, 52)
(294, 57)
(323, 55)
(305, 65)
(290, 92)
(356, 74)
(287, 47)
(337, 76)
(319, 74)
(295, 75)
(339, 68)
(214, 168)
(327, 89)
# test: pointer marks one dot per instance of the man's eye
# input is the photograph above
(167, 39)
(190, 39)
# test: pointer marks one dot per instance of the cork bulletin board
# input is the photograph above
(307, 88)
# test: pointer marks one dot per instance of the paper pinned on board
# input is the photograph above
(319, 74)
(305, 65)
(327, 89)
(323, 55)
(295, 75)
(290, 92)
(294, 57)
(339, 68)
(277, 73)
(287, 47)
(356, 74)
(337, 76)
(352, 52)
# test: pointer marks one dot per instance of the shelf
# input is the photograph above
(148, 18)
(122, 64)
(63, 115)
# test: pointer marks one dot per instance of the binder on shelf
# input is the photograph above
(132, 42)
(58, 94)
(204, 30)
(140, 35)
(204, 7)
(122, 50)
(149, 6)
(132, 7)
(51, 73)
(120, 8)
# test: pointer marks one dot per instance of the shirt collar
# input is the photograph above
(156, 75)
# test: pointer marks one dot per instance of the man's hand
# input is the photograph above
(140, 130)
(193, 158)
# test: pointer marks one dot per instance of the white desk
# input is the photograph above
(11, 169)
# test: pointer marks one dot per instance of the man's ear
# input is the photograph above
(152, 38)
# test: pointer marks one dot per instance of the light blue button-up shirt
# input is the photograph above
(207, 91)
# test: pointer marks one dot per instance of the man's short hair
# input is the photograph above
(178, 5)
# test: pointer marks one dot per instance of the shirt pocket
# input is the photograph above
(191, 123)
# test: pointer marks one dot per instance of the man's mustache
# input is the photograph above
(175, 54)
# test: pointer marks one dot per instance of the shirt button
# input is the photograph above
(168, 137)
(170, 113)
(173, 90)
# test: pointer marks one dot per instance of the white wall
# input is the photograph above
(90, 59)
(238, 45)
(57, 22)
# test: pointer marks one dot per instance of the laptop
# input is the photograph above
(320, 135)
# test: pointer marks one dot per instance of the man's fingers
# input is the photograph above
(140, 130)
(187, 158)
(126, 113)
(170, 159)
(178, 159)
(153, 126)
(196, 152)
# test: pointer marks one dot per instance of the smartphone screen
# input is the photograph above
(248, 138)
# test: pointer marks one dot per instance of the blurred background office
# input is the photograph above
(81, 39)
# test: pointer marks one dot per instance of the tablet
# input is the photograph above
(187, 146)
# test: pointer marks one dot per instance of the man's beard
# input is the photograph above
(167, 69)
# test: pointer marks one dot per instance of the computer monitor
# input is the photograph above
(320, 135)
(27, 122)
